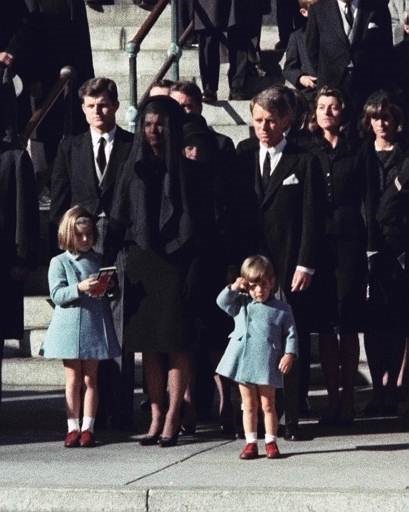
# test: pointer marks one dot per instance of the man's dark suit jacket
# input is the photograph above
(74, 180)
(283, 221)
(331, 52)
(297, 63)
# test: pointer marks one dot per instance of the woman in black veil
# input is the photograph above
(151, 218)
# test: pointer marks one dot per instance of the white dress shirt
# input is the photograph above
(276, 152)
(109, 144)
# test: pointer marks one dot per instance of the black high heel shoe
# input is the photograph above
(167, 442)
(149, 440)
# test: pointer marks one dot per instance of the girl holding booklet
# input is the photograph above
(81, 331)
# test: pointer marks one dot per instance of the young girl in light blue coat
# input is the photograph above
(81, 331)
(261, 349)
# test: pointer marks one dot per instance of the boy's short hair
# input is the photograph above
(97, 86)
(274, 98)
(257, 268)
(405, 17)
(66, 228)
(189, 88)
(306, 4)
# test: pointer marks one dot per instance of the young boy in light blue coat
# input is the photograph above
(261, 349)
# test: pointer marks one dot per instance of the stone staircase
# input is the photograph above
(118, 23)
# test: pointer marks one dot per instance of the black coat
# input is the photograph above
(331, 52)
(74, 180)
(284, 221)
(19, 233)
(341, 273)
(387, 303)
(65, 39)
(19, 31)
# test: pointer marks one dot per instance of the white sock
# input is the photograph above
(73, 424)
(270, 438)
(251, 437)
(88, 423)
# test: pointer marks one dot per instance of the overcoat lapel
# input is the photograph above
(361, 22)
(335, 20)
(86, 162)
(118, 156)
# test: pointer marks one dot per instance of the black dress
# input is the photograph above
(387, 295)
(151, 219)
(341, 274)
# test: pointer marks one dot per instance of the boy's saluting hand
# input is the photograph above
(240, 285)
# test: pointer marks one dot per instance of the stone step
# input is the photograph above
(37, 371)
(124, 15)
(37, 312)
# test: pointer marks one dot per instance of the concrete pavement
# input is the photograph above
(363, 467)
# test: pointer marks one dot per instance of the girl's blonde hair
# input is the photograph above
(75, 216)
(257, 268)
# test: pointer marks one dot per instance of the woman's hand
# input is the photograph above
(286, 363)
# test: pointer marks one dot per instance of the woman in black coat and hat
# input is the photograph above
(151, 217)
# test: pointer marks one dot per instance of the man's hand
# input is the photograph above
(6, 58)
(286, 363)
(301, 281)
(308, 81)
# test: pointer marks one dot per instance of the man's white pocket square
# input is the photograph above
(372, 25)
(291, 180)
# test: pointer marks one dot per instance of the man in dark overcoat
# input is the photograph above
(19, 31)
(19, 233)
(278, 195)
(85, 171)
(349, 43)
(64, 41)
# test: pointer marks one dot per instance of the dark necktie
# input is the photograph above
(265, 175)
(101, 158)
(348, 15)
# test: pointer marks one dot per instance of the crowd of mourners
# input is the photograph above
(300, 230)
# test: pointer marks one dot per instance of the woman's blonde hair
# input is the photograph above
(257, 268)
(75, 216)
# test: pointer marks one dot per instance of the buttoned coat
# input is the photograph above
(74, 180)
(263, 332)
(19, 233)
(81, 326)
(331, 52)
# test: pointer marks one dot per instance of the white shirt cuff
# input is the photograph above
(310, 271)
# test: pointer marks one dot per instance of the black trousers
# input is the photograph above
(288, 19)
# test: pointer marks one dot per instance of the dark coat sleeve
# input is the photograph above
(312, 39)
(292, 67)
(27, 215)
(60, 182)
